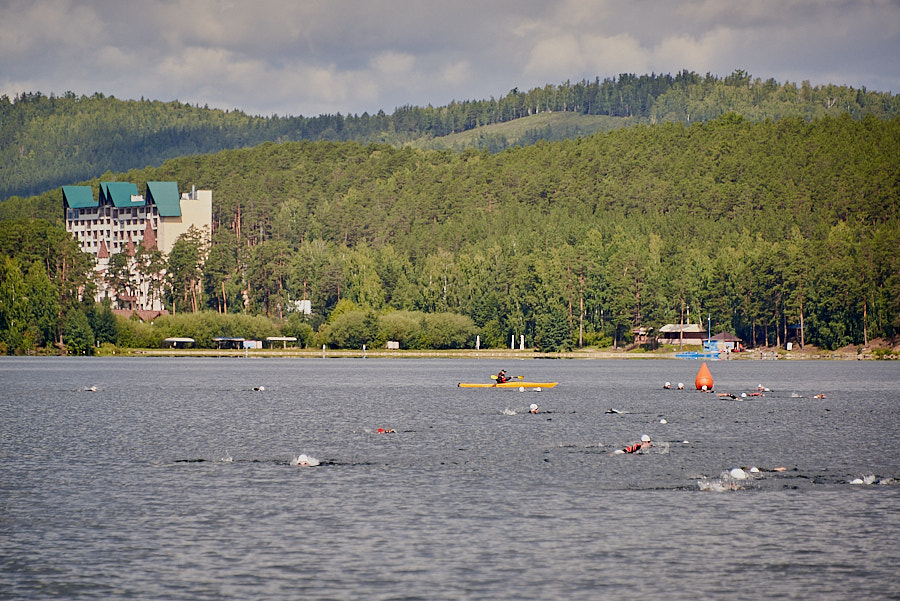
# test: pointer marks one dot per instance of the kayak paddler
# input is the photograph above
(502, 377)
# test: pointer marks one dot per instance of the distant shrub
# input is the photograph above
(133, 333)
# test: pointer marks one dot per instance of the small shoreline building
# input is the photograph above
(724, 341)
(689, 333)
(121, 219)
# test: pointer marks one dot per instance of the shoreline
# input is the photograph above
(505, 354)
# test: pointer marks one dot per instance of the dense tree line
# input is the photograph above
(772, 230)
(48, 140)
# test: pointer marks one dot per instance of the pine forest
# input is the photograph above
(766, 210)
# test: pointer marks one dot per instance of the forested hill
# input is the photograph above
(762, 226)
(47, 141)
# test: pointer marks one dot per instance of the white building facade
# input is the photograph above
(121, 219)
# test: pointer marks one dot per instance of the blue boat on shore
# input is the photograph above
(698, 355)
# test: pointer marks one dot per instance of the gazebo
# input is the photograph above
(271, 340)
(225, 342)
(176, 341)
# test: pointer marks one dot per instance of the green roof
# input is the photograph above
(165, 196)
(79, 197)
(119, 194)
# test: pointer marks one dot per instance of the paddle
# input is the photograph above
(494, 377)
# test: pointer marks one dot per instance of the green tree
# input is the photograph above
(43, 304)
(350, 329)
(448, 331)
(77, 334)
(150, 268)
(185, 269)
(296, 325)
(119, 277)
(103, 322)
(14, 313)
(552, 333)
(267, 276)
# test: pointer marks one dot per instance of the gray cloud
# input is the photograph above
(352, 56)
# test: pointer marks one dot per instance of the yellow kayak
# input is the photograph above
(509, 385)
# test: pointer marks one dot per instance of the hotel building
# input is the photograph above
(120, 219)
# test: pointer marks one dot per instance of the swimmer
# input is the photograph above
(305, 461)
(611, 410)
(667, 385)
(755, 470)
(645, 443)
(533, 408)
(385, 431)
(681, 386)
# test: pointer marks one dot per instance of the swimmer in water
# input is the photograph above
(645, 443)
(533, 408)
(305, 461)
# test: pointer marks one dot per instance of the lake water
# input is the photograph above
(173, 480)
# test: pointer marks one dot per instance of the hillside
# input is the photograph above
(548, 126)
(49, 140)
(767, 228)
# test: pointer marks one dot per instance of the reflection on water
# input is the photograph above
(184, 478)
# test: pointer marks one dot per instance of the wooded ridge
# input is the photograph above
(48, 140)
(769, 229)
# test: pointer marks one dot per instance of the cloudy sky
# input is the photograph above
(309, 57)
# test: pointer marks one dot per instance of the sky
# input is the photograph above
(313, 57)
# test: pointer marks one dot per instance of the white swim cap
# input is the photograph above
(738, 474)
(533, 406)
(645, 438)
(704, 387)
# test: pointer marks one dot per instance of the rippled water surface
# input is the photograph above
(173, 480)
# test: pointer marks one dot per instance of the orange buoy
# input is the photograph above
(704, 378)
